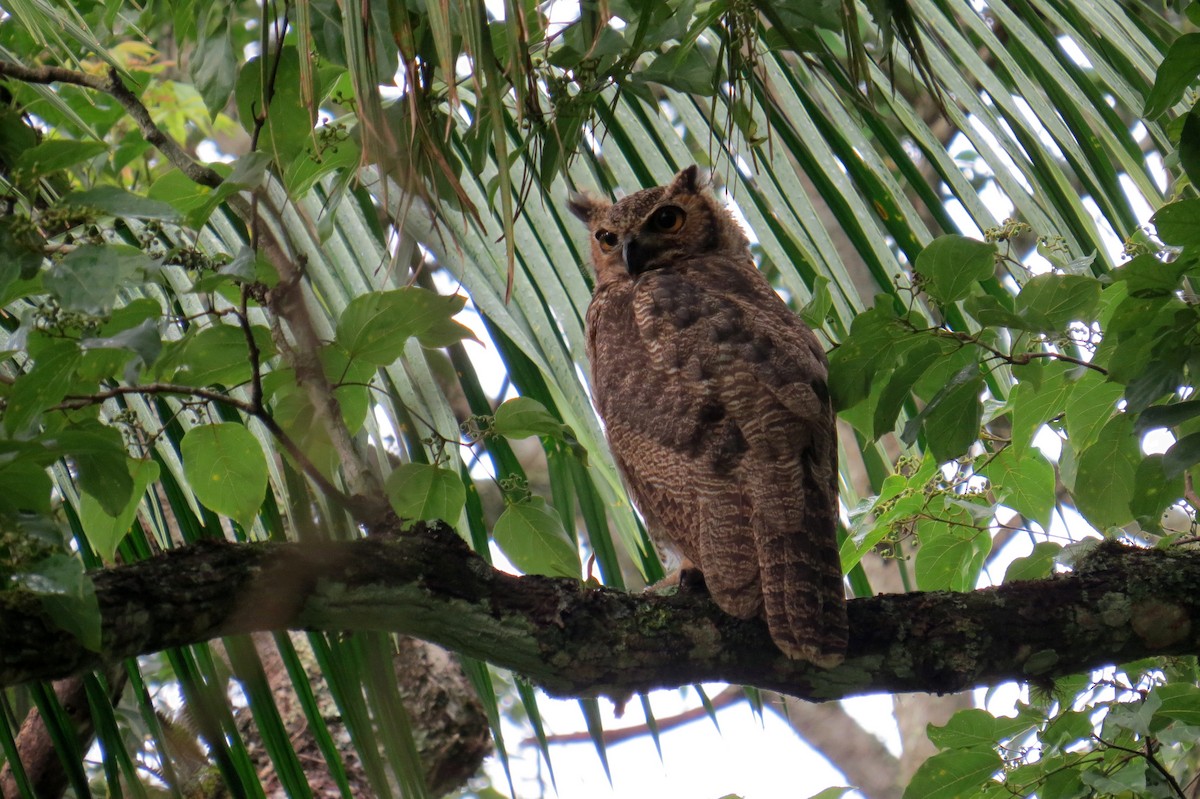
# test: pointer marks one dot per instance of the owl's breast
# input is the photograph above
(649, 374)
(615, 348)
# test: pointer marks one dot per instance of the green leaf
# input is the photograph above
(1128, 780)
(522, 417)
(105, 531)
(1037, 564)
(215, 355)
(375, 326)
(916, 361)
(1178, 223)
(1104, 482)
(1183, 455)
(976, 728)
(1176, 72)
(1059, 299)
(1179, 702)
(213, 66)
(1154, 492)
(1189, 145)
(293, 411)
(1146, 276)
(953, 775)
(54, 154)
(816, 311)
(1069, 727)
(1033, 406)
(118, 202)
(422, 492)
(952, 552)
(828, 793)
(683, 68)
(874, 336)
(1156, 381)
(100, 456)
(1134, 716)
(533, 539)
(1092, 402)
(25, 487)
(992, 311)
(1023, 482)
(951, 419)
(225, 465)
(68, 596)
(183, 194)
(307, 168)
(89, 277)
(952, 264)
(900, 498)
(287, 129)
(24, 250)
(1167, 415)
(34, 392)
(143, 341)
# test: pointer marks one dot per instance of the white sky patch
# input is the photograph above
(1157, 441)
(1113, 244)
(874, 714)
(748, 756)
(731, 205)
(1074, 52)
(1158, 173)
(559, 14)
(983, 136)
(208, 153)
(1049, 443)
(1039, 130)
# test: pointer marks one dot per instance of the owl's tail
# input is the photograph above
(804, 599)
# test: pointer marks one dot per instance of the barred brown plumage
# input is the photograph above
(714, 399)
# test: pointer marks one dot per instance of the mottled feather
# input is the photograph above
(715, 404)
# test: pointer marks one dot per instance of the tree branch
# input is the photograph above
(1121, 605)
(114, 86)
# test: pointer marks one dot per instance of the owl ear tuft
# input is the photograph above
(584, 206)
(688, 180)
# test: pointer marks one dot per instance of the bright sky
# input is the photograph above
(749, 756)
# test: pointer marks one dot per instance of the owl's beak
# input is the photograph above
(635, 256)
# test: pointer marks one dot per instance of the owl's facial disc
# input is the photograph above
(637, 256)
(656, 238)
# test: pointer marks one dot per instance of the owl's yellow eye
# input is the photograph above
(608, 240)
(668, 219)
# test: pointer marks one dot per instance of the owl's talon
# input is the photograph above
(691, 580)
(686, 578)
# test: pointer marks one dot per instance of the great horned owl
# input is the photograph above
(714, 396)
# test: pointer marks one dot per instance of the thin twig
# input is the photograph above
(74, 402)
(1189, 490)
(256, 387)
(1020, 359)
(1152, 760)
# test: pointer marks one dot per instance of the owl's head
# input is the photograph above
(657, 228)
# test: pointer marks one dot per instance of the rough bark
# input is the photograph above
(1120, 605)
